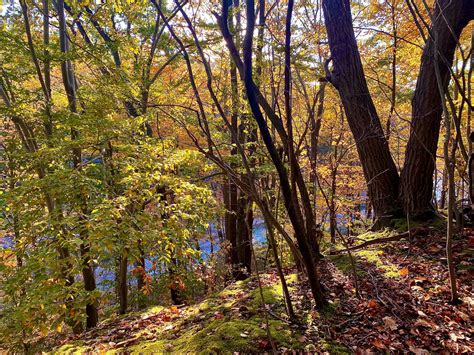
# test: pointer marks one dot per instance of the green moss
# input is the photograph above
(72, 348)
(377, 234)
(199, 330)
(223, 336)
(328, 311)
(291, 279)
(333, 347)
(270, 296)
(402, 224)
(343, 263)
(373, 257)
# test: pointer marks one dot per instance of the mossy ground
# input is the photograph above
(399, 283)
(372, 255)
(229, 321)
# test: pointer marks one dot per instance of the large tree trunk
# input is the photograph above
(348, 77)
(231, 213)
(416, 184)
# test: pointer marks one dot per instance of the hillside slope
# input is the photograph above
(402, 306)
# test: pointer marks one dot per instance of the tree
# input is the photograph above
(387, 194)
(416, 181)
(348, 77)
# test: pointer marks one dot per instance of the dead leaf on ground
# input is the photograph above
(404, 272)
(390, 323)
(372, 303)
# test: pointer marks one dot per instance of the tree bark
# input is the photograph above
(471, 179)
(244, 237)
(122, 283)
(140, 264)
(176, 295)
(416, 181)
(92, 316)
(70, 86)
(291, 204)
(348, 77)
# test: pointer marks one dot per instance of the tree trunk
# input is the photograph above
(348, 77)
(416, 183)
(176, 295)
(471, 180)
(291, 204)
(244, 237)
(122, 283)
(92, 316)
(70, 86)
(140, 264)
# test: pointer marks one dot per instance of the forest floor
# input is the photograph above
(403, 305)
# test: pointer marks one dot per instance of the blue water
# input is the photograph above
(106, 276)
(259, 234)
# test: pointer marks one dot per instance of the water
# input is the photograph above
(106, 276)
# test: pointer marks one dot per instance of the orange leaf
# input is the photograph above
(372, 304)
(378, 344)
(404, 271)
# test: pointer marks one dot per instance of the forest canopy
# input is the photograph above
(283, 164)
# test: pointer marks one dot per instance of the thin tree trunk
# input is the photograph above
(176, 295)
(122, 282)
(70, 86)
(92, 316)
(291, 204)
(471, 175)
(394, 72)
(444, 183)
(140, 264)
(449, 161)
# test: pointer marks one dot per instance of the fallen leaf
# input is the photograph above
(390, 323)
(372, 303)
(263, 344)
(59, 327)
(422, 323)
(302, 339)
(378, 344)
(404, 271)
(422, 314)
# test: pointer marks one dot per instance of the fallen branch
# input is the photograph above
(393, 238)
(270, 312)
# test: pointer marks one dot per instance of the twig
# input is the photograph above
(266, 311)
